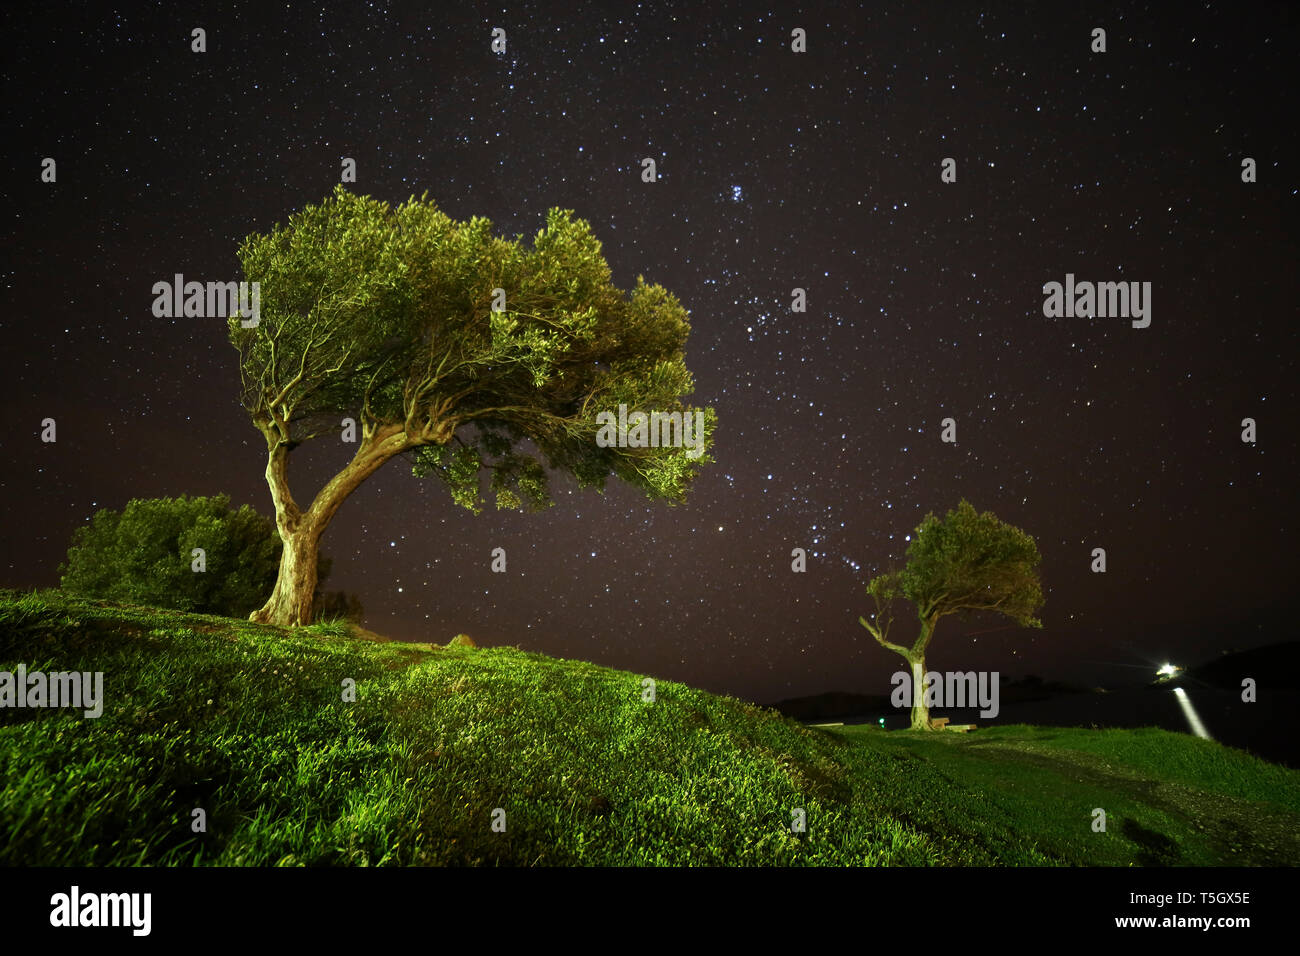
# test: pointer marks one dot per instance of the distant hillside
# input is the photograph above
(1275, 665)
(835, 705)
(831, 706)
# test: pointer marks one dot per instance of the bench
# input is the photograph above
(941, 723)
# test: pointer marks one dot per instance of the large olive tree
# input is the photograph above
(459, 351)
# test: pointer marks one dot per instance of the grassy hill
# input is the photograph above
(248, 723)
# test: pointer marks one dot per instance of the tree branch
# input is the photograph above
(881, 638)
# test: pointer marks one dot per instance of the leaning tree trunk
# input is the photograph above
(290, 604)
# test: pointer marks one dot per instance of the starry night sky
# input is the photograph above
(776, 170)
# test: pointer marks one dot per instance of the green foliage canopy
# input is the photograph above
(386, 315)
(964, 563)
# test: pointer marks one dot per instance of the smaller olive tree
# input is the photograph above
(965, 563)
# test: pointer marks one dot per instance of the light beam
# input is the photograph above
(1193, 719)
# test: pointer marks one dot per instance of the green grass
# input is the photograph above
(248, 723)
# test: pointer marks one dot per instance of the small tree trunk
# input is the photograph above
(290, 604)
(920, 711)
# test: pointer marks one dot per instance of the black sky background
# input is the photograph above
(777, 170)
